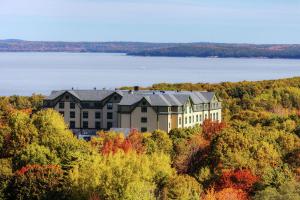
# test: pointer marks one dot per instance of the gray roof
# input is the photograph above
(166, 98)
(83, 95)
(155, 98)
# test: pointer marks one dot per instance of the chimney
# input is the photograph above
(95, 88)
(136, 88)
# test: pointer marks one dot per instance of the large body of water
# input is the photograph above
(27, 73)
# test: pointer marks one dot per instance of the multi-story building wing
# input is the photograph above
(165, 110)
(89, 110)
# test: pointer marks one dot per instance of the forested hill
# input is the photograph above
(225, 51)
(13, 45)
(157, 49)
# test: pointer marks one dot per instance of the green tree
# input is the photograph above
(181, 187)
(34, 154)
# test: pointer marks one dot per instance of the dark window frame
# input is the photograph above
(85, 114)
(72, 105)
(109, 115)
(72, 114)
(85, 124)
(144, 109)
(71, 124)
(61, 105)
(97, 115)
(144, 119)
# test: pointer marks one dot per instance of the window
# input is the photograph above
(115, 97)
(61, 105)
(62, 113)
(190, 119)
(109, 115)
(85, 115)
(169, 109)
(143, 129)
(85, 124)
(109, 106)
(144, 119)
(190, 109)
(217, 116)
(193, 118)
(109, 125)
(185, 120)
(197, 118)
(97, 125)
(67, 97)
(144, 109)
(200, 118)
(72, 124)
(205, 116)
(144, 103)
(179, 121)
(72, 114)
(97, 115)
(72, 105)
(214, 116)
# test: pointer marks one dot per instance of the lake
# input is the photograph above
(27, 73)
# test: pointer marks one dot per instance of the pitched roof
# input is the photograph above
(83, 95)
(155, 98)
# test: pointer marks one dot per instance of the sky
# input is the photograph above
(229, 21)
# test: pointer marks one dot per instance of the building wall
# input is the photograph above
(136, 116)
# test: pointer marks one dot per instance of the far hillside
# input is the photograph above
(222, 50)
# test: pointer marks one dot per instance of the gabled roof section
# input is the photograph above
(83, 95)
(154, 98)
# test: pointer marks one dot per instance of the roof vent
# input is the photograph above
(72, 88)
(95, 88)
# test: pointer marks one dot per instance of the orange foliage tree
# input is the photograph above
(238, 179)
(211, 128)
(226, 194)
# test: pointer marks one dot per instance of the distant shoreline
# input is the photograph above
(202, 50)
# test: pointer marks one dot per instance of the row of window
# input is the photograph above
(85, 115)
(61, 105)
(191, 119)
(85, 125)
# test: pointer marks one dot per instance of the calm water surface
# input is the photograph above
(27, 73)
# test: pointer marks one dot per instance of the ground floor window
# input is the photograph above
(143, 129)
(109, 125)
(97, 125)
(85, 124)
(72, 124)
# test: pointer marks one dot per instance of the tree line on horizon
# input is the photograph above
(253, 154)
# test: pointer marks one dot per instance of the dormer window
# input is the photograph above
(109, 106)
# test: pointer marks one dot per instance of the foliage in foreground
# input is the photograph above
(253, 154)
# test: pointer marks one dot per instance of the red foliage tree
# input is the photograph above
(116, 144)
(211, 128)
(238, 179)
(136, 140)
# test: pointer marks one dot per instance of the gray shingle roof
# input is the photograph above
(155, 98)
(83, 95)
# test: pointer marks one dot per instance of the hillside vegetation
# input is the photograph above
(157, 49)
(253, 154)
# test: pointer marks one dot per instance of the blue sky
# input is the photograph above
(252, 21)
